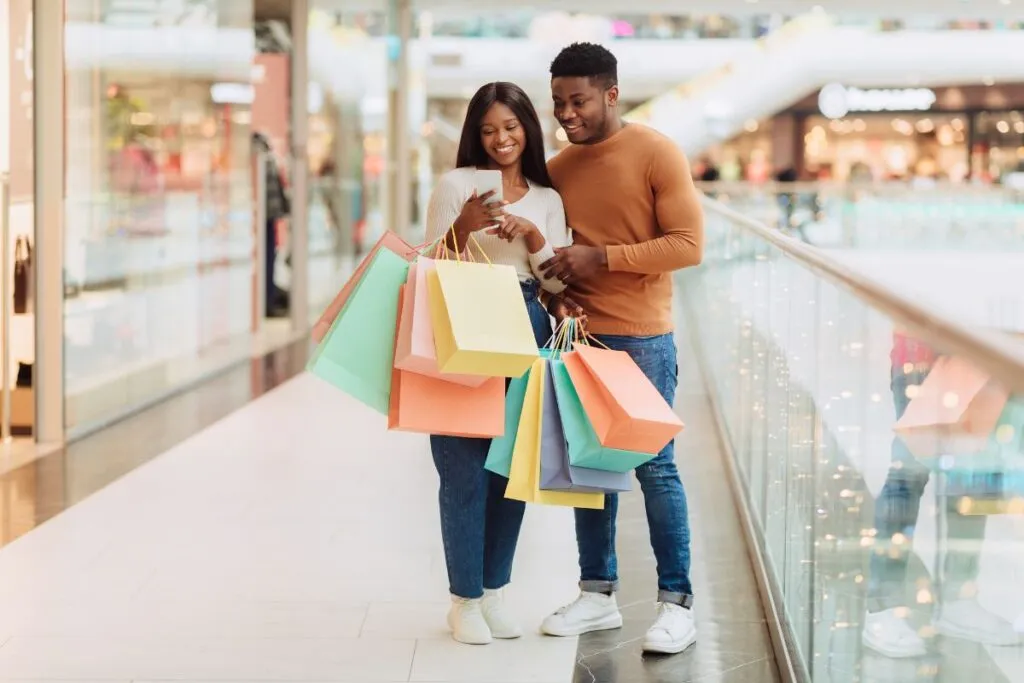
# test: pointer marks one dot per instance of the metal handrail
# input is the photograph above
(999, 355)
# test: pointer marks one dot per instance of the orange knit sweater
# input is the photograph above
(633, 195)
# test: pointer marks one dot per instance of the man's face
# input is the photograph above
(582, 108)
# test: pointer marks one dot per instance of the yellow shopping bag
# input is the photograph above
(481, 326)
(524, 475)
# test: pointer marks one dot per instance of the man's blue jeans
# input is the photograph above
(479, 525)
(663, 492)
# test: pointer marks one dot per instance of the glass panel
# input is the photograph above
(159, 235)
(17, 206)
(886, 475)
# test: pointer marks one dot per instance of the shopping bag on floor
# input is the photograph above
(954, 411)
(481, 326)
(357, 354)
(389, 241)
(556, 474)
(416, 351)
(524, 475)
(499, 455)
(433, 406)
(584, 449)
(625, 408)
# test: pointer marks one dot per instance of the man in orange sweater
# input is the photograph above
(636, 219)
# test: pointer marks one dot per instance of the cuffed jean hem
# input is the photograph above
(597, 586)
(681, 599)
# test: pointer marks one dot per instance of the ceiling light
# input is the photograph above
(989, 81)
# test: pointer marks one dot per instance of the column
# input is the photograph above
(299, 238)
(399, 171)
(49, 134)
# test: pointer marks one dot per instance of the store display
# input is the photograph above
(22, 275)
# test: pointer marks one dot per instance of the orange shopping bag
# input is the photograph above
(429, 405)
(416, 351)
(625, 408)
(389, 241)
(953, 412)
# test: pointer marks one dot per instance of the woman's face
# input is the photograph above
(502, 135)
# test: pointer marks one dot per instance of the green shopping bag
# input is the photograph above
(357, 355)
(584, 448)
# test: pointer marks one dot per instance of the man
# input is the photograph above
(636, 218)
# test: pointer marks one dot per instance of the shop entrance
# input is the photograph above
(17, 302)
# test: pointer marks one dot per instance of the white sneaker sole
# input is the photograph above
(670, 648)
(608, 623)
(888, 650)
(953, 630)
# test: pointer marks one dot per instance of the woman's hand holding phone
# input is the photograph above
(517, 226)
(476, 215)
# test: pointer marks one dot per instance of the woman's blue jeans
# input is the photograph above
(479, 526)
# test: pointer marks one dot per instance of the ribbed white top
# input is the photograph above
(540, 205)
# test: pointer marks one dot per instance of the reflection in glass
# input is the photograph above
(885, 476)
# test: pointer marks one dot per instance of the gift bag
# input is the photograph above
(499, 455)
(625, 408)
(416, 351)
(524, 474)
(433, 406)
(481, 326)
(584, 449)
(556, 474)
(389, 241)
(954, 411)
(357, 355)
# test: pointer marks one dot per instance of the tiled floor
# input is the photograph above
(296, 540)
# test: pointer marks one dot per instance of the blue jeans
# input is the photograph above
(479, 526)
(663, 491)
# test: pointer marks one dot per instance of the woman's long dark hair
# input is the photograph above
(471, 149)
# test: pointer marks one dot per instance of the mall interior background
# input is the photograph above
(165, 248)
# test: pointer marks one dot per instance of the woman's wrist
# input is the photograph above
(534, 240)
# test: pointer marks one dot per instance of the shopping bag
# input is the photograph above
(584, 449)
(357, 354)
(416, 351)
(626, 410)
(481, 326)
(433, 406)
(954, 411)
(524, 474)
(389, 241)
(499, 455)
(556, 474)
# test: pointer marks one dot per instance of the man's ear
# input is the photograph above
(612, 96)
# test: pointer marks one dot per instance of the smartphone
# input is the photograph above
(487, 181)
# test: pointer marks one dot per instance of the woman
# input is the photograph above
(479, 526)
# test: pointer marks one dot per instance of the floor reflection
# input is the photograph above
(35, 492)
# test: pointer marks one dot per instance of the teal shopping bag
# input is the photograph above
(584, 448)
(499, 456)
(357, 355)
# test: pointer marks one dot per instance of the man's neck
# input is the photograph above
(615, 125)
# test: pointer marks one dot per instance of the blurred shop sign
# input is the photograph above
(836, 100)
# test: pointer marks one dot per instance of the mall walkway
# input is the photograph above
(296, 539)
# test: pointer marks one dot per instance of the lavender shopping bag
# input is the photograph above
(556, 474)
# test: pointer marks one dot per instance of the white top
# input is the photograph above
(542, 206)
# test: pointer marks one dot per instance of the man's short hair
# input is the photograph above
(587, 60)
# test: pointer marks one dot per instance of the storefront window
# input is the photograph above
(158, 214)
(998, 152)
(347, 148)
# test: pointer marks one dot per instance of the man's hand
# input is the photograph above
(574, 263)
(561, 307)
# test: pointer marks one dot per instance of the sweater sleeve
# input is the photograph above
(679, 215)
(556, 234)
(444, 206)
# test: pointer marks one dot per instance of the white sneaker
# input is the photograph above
(590, 612)
(501, 623)
(890, 634)
(673, 632)
(466, 620)
(969, 620)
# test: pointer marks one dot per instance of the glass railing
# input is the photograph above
(893, 216)
(878, 449)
